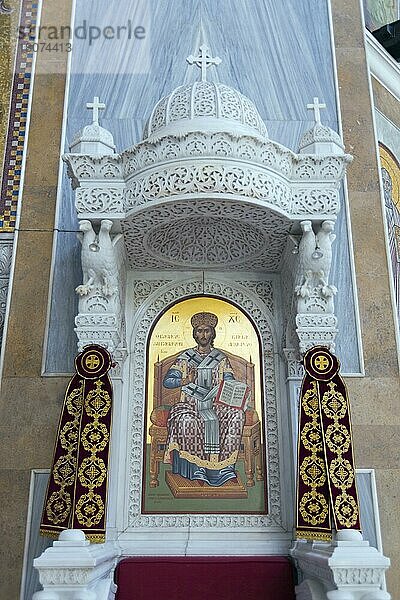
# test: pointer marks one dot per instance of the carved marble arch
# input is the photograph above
(151, 298)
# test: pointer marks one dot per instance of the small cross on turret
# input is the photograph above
(203, 60)
(96, 105)
(315, 106)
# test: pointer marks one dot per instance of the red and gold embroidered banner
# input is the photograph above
(77, 491)
(325, 472)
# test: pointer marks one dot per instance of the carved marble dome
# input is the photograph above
(205, 106)
(93, 139)
(320, 139)
(320, 133)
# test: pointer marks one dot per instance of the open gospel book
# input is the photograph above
(233, 393)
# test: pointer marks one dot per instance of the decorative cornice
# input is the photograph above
(217, 164)
(86, 167)
(382, 66)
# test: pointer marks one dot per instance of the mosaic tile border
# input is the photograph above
(17, 121)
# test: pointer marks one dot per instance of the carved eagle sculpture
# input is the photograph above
(315, 255)
(99, 261)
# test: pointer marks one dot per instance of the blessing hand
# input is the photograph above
(191, 378)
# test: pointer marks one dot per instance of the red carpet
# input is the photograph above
(200, 578)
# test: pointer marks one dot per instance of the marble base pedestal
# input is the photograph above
(346, 569)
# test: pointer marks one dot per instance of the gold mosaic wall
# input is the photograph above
(16, 62)
(7, 52)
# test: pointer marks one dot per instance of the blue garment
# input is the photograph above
(214, 477)
(173, 378)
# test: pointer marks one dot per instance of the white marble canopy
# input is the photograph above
(206, 188)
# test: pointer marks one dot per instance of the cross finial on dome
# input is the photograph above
(203, 60)
(96, 105)
(315, 106)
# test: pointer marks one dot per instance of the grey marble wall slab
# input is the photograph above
(66, 219)
(61, 341)
(366, 488)
(276, 53)
(388, 133)
(36, 543)
(6, 251)
(346, 340)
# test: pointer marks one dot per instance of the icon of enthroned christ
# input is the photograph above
(205, 425)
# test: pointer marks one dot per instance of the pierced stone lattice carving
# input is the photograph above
(204, 98)
(315, 330)
(318, 167)
(229, 179)
(306, 201)
(207, 141)
(95, 167)
(245, 147)
(256, 256)
(212, 179)
(263, 289)
(99, 200)
(230, 107)
(179, 104)
(157, 118)
(144, 289)
(296, 186)
(205, 241)
(168, 294)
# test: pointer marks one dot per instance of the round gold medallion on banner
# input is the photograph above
(346, 510)
(89, 509)
(93, 362)
(58, 507)
(314, 508)
(320, 363)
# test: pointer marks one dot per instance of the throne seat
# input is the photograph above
(250, 451)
